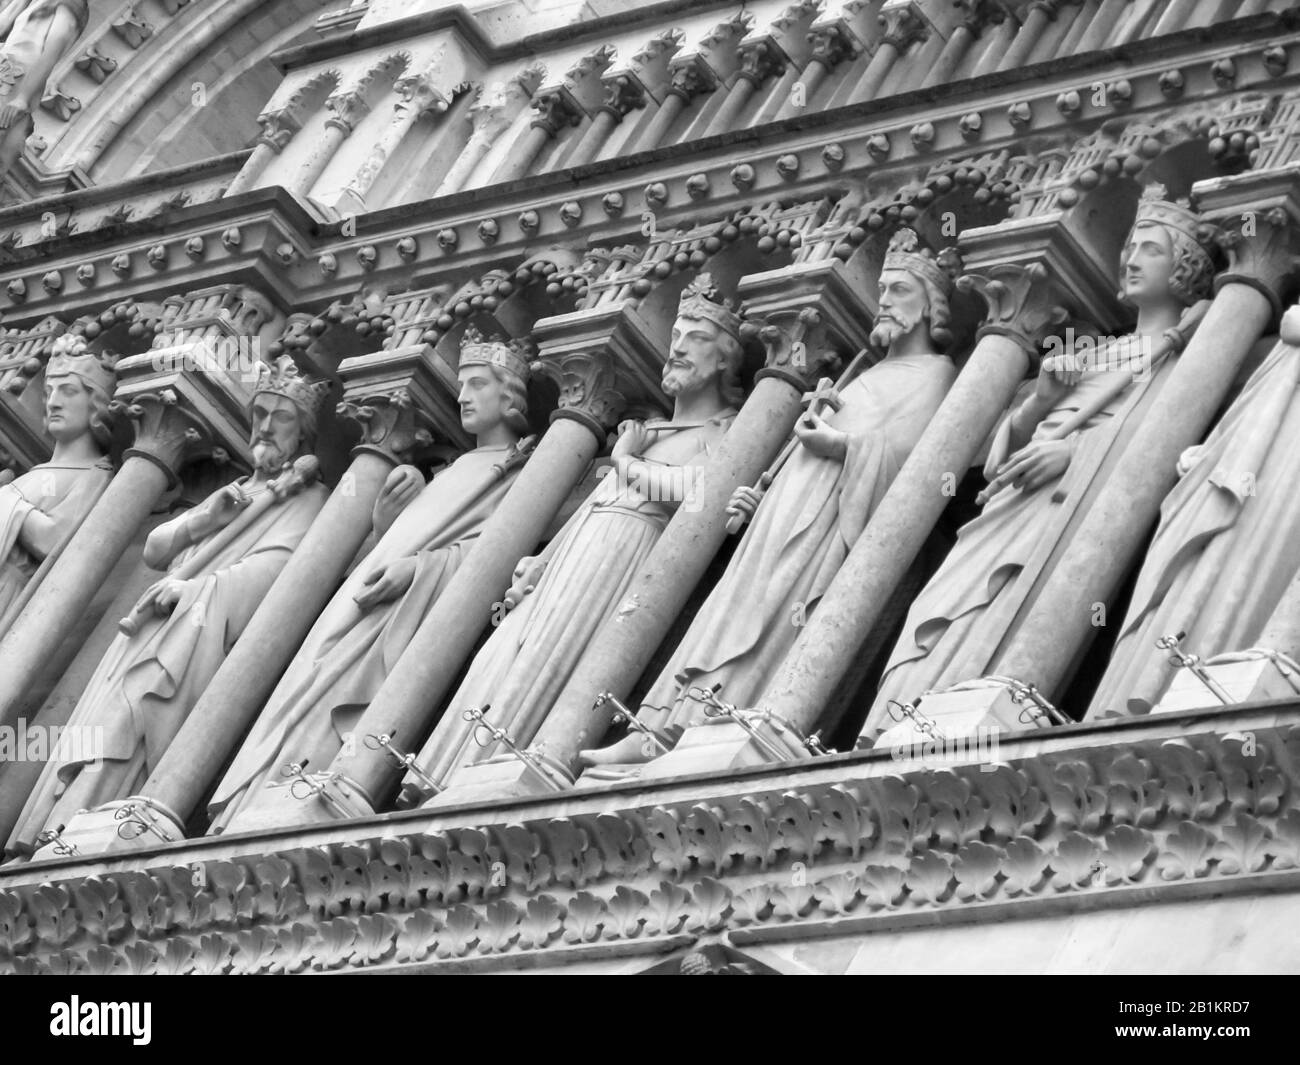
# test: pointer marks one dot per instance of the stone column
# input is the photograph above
(1041, 12)
(1024, 270)
(348, 109)
(165, 433)
(385, 394)
(903, 27)
(832, 44)
(490, 117)
(418, 97)
(759, 61)
(689, 80)
(624, 94)
(1115, 527)
(424, 675)
(278, 128)
(804, 305)
(556, 108)
(1103, 24)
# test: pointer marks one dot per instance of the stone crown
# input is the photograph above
(69, 358)
(703, 300)
(282, 378)
(905, 253)
(512, 356)
(1153, 207)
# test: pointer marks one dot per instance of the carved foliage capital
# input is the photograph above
(165, 432)
(623, 95)
(555, 109)
(587, 384)
(1022, 302)
(760, 60)
(903, 27)
(389, 422)
(347, 109)
(832, 44)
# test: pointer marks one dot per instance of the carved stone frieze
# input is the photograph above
(870, 842)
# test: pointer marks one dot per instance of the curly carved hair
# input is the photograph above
(1193, 269)
(516, 418)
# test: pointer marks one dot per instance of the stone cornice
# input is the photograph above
(801, 156)
(1106, 814)
(463, 22)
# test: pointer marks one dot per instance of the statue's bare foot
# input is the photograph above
(632, 749)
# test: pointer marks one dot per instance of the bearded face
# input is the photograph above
(903, 307)
(695, 356)
(277, 432)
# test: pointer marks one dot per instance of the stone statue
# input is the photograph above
(424, 533)
(222, 556)
(41, 510)
(815, 509)
(37, 34)
(1049, 456)
(1227, 545)
(562, 597)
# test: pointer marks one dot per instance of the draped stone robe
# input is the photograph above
(808, 521)
(63, 493)
(1227, 546)
(348, 653)
(973, 605)
(526, 662)
(146, 684)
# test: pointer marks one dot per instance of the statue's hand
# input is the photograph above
(821, 438)
(1056, 377)
(527, 574)
(744, 501)
(1034, 465)
(9, 114)
(219, 512)
(167, 593)
(402, 486)
(385, 585)
(633, 439)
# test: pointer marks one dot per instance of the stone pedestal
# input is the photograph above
(719, 745)
(134, 823)
(1246, 676)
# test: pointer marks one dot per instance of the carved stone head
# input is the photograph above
(493, 375)
(78, 390)
(705, 350)
(1167, 254)
(283, 415)
(914, 288)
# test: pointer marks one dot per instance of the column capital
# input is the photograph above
(976, 15)
(761, 59)
(166, 432)
(691, 77)
(399, 400)
(1033, 274)
(902, 26)
(278, 128)
(809, 315)
(418, 92)
(624, 94)
(347, 109)
(555, 108)
(588, 385)
(831, 43)
(1258, 213)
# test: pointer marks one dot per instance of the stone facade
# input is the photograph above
(570, 188)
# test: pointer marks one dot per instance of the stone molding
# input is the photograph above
(1113, 814)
